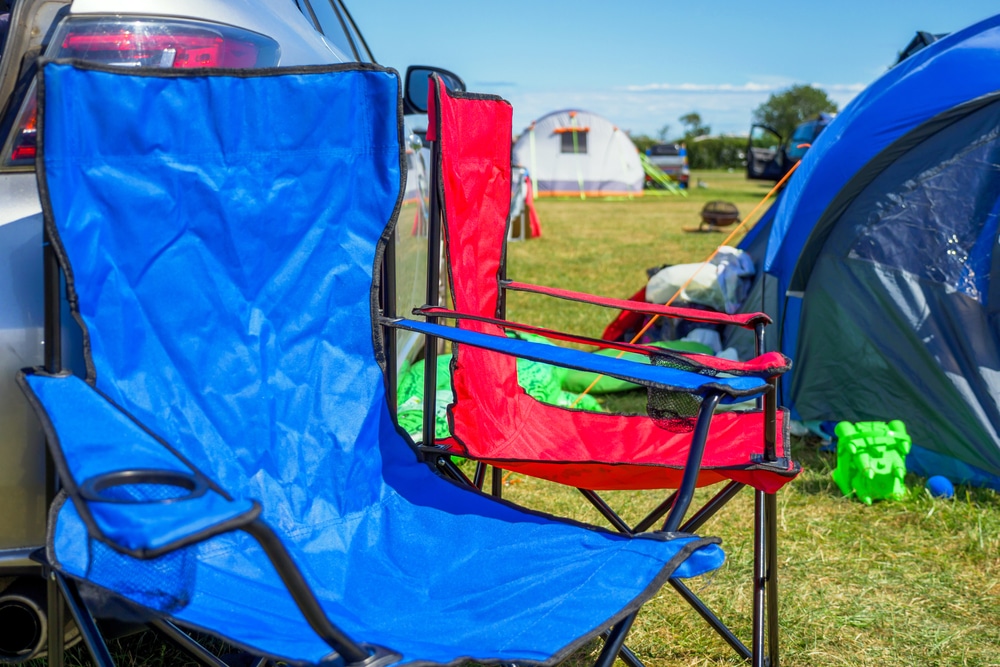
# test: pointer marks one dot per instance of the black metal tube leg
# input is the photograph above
(630, 658)
(56, 619)
(433, 294)
(193, 648)
(625, 654)
(771, 549)
(615, 640)
(479, 478)
(757, 646)
(84, 621)
(692, 467)
(607, 512)
(497, 482)
(711, 618)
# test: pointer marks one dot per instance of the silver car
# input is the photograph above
(130, 33)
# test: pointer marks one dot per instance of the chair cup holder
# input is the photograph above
(143, 486)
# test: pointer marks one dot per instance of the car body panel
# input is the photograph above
(22, 475)
(280, 20)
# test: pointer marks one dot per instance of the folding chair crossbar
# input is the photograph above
(765, 588)
(183, 641)
(765, 366)
(744, 320)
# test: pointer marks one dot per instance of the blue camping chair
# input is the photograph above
(230, 463)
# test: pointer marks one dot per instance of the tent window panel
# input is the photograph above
(933, 213)
(567, 145)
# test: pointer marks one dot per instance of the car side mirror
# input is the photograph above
(415, 91)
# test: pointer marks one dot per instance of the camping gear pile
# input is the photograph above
(719, 285)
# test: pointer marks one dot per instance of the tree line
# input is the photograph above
(782, 112)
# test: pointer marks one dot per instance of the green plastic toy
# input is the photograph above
(871, 460)
(542, 382)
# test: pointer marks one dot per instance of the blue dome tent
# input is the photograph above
(877, 261)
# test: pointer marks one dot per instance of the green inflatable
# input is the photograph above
(578, 381)
(871, 460)
(540, 381)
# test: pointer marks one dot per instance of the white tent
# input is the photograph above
(578, 153)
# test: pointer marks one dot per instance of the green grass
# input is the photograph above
(913, 582)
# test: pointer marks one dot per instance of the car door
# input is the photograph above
(766, 159)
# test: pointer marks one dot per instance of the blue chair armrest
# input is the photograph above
(132, 490)
(156, 502)
(732, 390)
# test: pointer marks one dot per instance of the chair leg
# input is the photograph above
(625, 654)
(695, 522)
(721, 628)
(84, 621)
(709, 509)
(607, 512)
(497, 483)
(771, 549)
(615, 640)
(449, 468)
(186, 643)
(656, 514)
(56, 619)
(759, 556)
(629, 658)
(479, 478)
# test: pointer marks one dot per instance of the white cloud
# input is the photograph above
(646, 108)
(749, 87)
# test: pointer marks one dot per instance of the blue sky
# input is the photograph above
(644, 63)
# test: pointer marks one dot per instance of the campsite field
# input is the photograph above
(907, 583)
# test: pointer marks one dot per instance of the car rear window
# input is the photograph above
(665, 149)
(333, 25)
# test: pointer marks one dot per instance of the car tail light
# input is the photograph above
(23, 151)
(157, 43)
(143, 43)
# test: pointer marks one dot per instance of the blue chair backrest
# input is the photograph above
(223, 268)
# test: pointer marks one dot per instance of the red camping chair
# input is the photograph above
(494, 422)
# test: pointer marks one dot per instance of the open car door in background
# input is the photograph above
(766, 156)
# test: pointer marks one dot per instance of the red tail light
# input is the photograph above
(25, 141)
(144, 43)
(124, 46)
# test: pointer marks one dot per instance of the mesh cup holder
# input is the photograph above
(143, 486)
(674, 411)
(164, 583)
